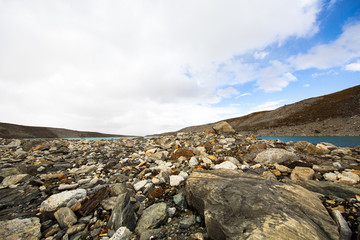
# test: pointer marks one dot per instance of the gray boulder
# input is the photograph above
(152, 217)
(331, 189)
(123, 213)
(236, 205)
(275, 155)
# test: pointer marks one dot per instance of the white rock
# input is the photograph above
(193, 162)
(349, 177)
(175, 180)
(206, 160)
(244, 167)
(337, 164)
(184, 175)
(59, 200)
(233, 160)
(330, 177)
(226, 165)
(155, 181)
(67, 186)
(123, 233)
(171, 211)
(275, 155)
(139, 185)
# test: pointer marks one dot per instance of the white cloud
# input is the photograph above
(260, 55)
(330, 72)
(307, 85)
(275, 77)
(270, 105)
(135, 67)
(333, 54)
(227, 92)
(353, 66)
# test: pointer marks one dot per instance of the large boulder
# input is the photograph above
(236, 205)
(223, 127)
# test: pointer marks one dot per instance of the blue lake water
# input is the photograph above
(345, 141)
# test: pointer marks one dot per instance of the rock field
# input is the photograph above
(186, 186)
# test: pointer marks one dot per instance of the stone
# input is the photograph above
(341, 151)
(232, 159)
(330, 177)
(313, 150)
(109, 203)
(65, 217)
(171, 211)
(237, 205)
(348, 178)
(5, 172)
(302, 174)
(282, 168)
(345, 231)
(226, 165)
(61, 199)
(153, 217)
(193, 162)
(90, 204)
(67, 186)
(179, 200)
(28, 228)
(182, 152)
(123, 214)
(184, 175)
(275, 155)
(176, 180)
(75, 229)
(187, 222)
(123, 233)
(223, 128)
(301, 145)
(139, 185)
(330, 189)
(14, 179)
(323, 168)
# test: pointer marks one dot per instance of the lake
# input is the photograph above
(344, 141)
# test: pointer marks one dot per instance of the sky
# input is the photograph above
(142, 67)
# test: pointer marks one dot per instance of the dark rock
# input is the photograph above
(91, 203)
(123, 214)
(152, 217)
(331, 189)
(239, 206)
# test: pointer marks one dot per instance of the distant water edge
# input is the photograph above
(340, 141)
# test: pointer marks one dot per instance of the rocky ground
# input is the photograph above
(185, 186)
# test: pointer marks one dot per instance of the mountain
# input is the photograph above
(336, 114)
(8, 130)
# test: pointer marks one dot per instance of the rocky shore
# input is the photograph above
(186, 186)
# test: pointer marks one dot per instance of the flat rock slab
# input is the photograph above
(28, 228)
(236, 205)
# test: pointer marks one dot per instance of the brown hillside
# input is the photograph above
(18, 131)
(332, 114)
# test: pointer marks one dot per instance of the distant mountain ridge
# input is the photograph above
(8, 130)
(336, 114)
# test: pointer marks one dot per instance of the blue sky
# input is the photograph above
(144, 67)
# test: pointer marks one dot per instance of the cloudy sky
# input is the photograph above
(143, 67)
